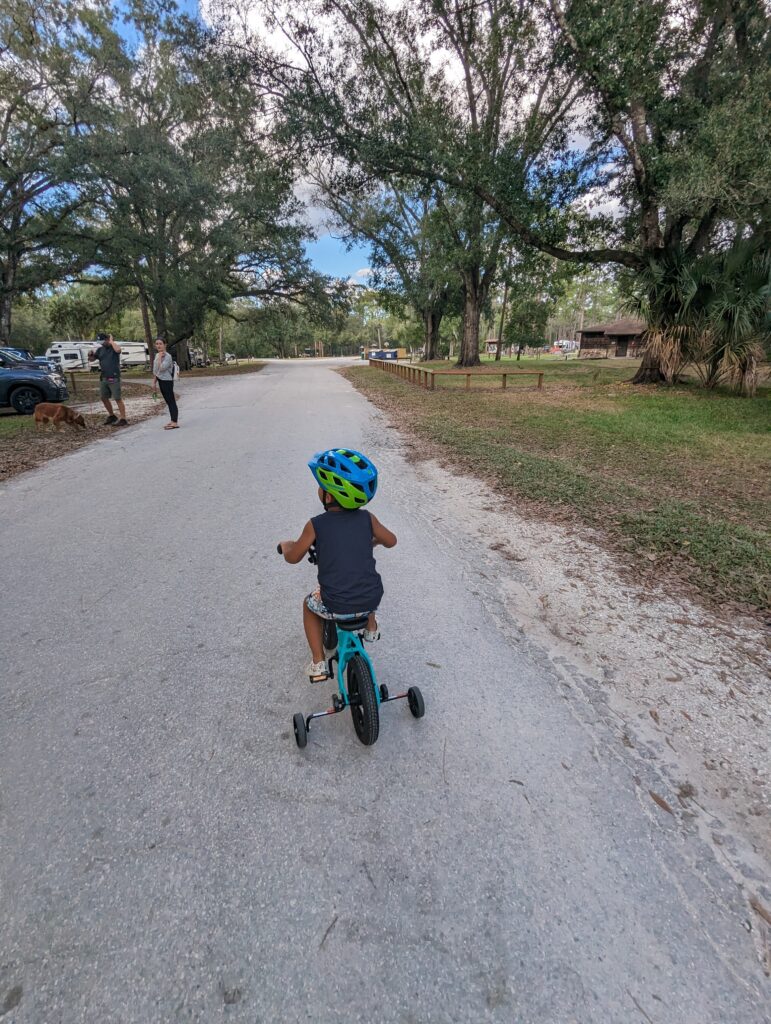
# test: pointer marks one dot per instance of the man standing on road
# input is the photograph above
(108, 355)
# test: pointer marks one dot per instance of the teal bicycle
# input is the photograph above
(357, 686)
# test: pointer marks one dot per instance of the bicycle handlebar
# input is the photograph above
(312, 556)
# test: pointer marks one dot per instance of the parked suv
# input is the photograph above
(28, 357)
(23, 384)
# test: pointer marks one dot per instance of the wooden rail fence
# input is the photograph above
(426, 378)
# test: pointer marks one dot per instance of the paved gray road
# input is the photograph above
(169, 855)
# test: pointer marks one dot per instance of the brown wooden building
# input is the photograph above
(620, 338)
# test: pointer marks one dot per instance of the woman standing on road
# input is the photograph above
(163, 373)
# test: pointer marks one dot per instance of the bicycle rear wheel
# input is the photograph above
(363, 699)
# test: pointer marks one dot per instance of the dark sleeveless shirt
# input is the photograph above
(348, 578)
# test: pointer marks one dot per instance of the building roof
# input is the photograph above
(616, 328)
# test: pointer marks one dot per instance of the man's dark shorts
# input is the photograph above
(110, 389)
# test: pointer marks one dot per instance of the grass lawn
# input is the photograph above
(13, 425)
(679, 478)
(225, 370)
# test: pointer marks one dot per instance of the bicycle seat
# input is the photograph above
(351, 625)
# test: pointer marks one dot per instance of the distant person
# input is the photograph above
(108, 357)
(163, 374)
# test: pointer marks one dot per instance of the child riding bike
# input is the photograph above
(349, 585)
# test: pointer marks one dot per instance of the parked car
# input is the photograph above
(230, 358)
(29, 357)
(24, 384)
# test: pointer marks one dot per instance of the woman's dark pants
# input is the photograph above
(167, 390)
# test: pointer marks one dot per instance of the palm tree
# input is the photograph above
(737, 317)
(713, 312)
(663, 294)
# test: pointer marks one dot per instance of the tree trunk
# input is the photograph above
(6, 298)
(649, 371)
(472, 312)
(431, 323)
(5, 318)
(160, 321)
(499, 346)
(182, 354)
(147, 327)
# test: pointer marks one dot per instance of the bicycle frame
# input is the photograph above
(348, 645)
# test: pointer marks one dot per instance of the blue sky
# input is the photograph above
(329, 256)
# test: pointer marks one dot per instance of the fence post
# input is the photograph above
(505, 377)
(72, 381)
(468, 382)
(540, 382)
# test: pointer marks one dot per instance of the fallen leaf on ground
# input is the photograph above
(758, 907)
(654, 715)
(661, 802)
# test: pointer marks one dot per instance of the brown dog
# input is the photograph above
(48, 412)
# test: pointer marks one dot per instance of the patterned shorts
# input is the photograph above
(316, 605)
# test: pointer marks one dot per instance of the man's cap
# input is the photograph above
(101, 336)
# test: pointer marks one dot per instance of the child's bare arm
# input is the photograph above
(380, 535)
(295, 550)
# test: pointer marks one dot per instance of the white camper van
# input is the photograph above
(133, 353)
(70, 355)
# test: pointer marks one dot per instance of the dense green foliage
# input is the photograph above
(627, 134)
(134, 165)
(485, 152)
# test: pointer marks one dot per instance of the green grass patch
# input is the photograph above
(226, 370)
(13, 425)
(678, 477)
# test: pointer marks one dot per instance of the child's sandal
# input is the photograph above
(317, 671)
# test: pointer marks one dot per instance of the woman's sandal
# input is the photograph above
(171, 426)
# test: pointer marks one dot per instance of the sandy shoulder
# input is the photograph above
(686, 686)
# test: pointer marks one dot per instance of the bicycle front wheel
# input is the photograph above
(363, 700)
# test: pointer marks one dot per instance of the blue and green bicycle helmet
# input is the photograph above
(348, 476)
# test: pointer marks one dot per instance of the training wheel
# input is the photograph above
(415, 701)
(300, 732)
(383, 692)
